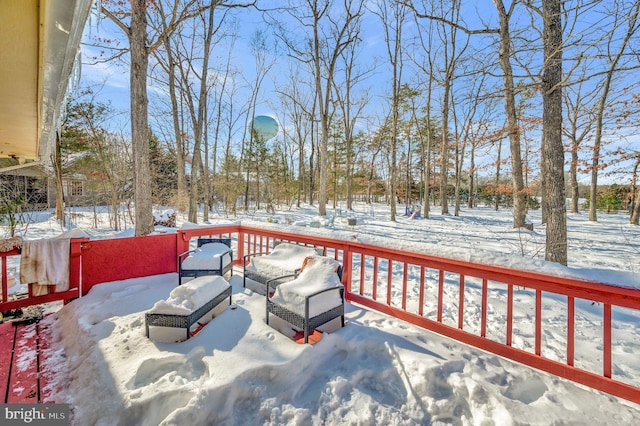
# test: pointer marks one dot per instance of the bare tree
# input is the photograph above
(169, 64)
(471, 128)
(57, 167)
(328, 30)
(351, 107)
(133, 22)
(104, 160)
(425, 127)
(451, 56)
(295, 102)
(622, 14)
(580, 119)
(635, 212)
(393, 16)
(233, 115)
(196, 98)
(552, 148)
(224, 80)
(251, 152)
(513, 128)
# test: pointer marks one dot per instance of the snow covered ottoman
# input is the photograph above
(188, 306)
(213, 256)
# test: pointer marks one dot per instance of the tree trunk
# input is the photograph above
(444, 149)
(496, 191)
(573, 172)
(181, 201)
(553, 166)
(323, 106)
(59, 188)
(140, 119)
(472, 166)
(635, 212)
(459, 155)
(635, 215)
(199, 123)
(427, 163)
(519, 204)
(393, 177)
(322, 163)
(206, 179)
(301, 165)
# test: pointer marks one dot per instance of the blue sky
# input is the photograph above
(114, 79)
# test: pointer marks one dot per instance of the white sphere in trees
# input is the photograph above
(265, 127)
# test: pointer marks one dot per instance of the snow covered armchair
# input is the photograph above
(213, 256)
(313, 298)
(284, 260)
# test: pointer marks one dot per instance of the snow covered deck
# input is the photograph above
(23, 351)
(497, 309)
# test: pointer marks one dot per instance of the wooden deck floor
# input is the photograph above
(21, 345)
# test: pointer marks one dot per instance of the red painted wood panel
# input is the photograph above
(7, 333)
(23, 383)
(123, 258)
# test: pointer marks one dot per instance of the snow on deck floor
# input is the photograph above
(238, 370)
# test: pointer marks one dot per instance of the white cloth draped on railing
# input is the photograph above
(46, 262)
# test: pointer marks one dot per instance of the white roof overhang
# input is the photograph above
(39, 41)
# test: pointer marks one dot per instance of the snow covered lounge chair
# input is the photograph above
(313, 298)
(189, 305)
(213, 256)
(284, 260)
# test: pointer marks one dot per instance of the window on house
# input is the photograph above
(77, 188)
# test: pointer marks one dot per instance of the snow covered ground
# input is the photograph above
(376, 370)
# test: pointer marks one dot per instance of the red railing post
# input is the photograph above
(182, 241)
(509, 330)
(346, 268)
(421, 295)
(571, 319)
(405, 280)
(606, 340)
(461, 302)
(389, 280)
(75, 262)
(375, 278)
(440, 294)
(361, 286)
(538, 319)
(240, 256)
(483, 318)
(5, 287)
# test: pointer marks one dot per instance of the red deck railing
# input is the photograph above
(75, 252)
(490, 303)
